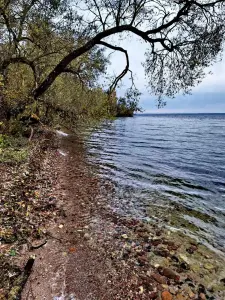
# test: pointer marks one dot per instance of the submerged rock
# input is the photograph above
(166, 295)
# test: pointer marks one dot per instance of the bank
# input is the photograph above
(67, 243)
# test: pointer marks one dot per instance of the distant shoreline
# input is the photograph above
(160, 114)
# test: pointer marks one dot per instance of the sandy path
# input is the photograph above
(66, 267)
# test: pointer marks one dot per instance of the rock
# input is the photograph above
(195, 268)
(169, 274)
(174, 258)
(186, 288)
(184, 266)
(148, 247)
(160, 279)
(165, 286)
(87, 236)
(141, 290)
(180, 297)
(201, 289)
(202, 296)
(191, 295)
(209, 267)
(153, 295)
(156, 242)
(161, 252)
(166, 296)
(184, 258)
(173, 290)
(192, 249)
(142, 260)
(124, 236)
(172, 247)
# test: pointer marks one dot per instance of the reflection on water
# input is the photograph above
(166, 160)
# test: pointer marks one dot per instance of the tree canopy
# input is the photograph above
(53, 37)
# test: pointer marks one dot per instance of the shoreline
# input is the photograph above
(93, 253)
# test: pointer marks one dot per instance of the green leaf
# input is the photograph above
(12, 252)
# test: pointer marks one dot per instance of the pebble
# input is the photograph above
(180, 297)
(153, 295)
(142, 260)
(209, 266)
(184, 258)
(191, 295)
(165, 286)
(86, 236)
(166, 295)
(160, 279)
(169, 274)
(192, 249)
(161, 252)
(202, 296)
(172, 290)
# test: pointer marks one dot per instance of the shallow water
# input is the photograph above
(166, 162)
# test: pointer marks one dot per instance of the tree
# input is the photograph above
(128, 105)
(31, 43)
(184, 37)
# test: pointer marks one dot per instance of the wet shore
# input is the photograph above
(98, 254)
(88, 251)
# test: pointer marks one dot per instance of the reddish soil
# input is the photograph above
(67, 267)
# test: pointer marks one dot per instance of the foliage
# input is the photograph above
(32, 43)
(57, 47)
(13, 150)
(128, 105)
(184, 37)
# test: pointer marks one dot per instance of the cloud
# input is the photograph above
(208, 96)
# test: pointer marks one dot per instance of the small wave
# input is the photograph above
(59, 132)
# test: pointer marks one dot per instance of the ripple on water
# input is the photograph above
(165, 159)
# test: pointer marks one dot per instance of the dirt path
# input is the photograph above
(66, 267)
(92, 253)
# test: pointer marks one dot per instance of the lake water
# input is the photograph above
(164, 167)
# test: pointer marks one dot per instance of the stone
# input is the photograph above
(195, 268)
(184, 266)
(173, 290)
(180, 297)
(161, 252)
(166, 295)
(160, 279)
(87, 236)
(192, 249)
(209, 267)
(184, 258)
(169, 274)
(153, 295)
(156, 242)
(202, 296)
(191, 295)
(142, 260)
(165, 286)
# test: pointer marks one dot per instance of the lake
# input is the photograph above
(169, 169)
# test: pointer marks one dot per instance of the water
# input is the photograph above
(166, 163)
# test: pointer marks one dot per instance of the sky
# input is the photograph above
(207, 97)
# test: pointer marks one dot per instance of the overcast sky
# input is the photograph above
(208, 97)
